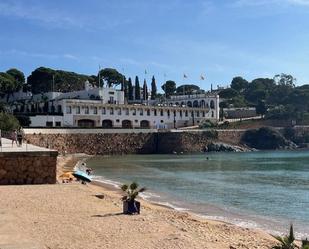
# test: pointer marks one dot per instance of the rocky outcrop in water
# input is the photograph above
(223, 147)
(267, 138)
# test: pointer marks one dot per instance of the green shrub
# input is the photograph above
(264, 139)
(8, 122)
(207, 124)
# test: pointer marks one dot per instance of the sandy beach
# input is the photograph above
(72, 216)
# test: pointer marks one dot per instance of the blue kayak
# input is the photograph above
(81, 175)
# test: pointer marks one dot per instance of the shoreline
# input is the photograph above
(73, 216)
(114, 188)
(241, 218)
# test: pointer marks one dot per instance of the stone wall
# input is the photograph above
(28, 167)
(136, 143)
(133, 143)
(100, 143)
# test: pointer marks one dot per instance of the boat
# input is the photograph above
(81, 175)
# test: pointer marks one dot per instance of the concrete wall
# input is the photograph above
(28, 167)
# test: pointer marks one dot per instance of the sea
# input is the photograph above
(266, 190)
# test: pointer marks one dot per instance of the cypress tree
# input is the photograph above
(145, 90)
(153, 88)
(137, 89)
(130, 89)
(125, 89)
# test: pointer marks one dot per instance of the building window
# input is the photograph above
(77, 109)
(186, 113)
(203, 113)
(148, 112)
(95, 110)
(141, 112)
(58, 124)
(180, 113)
(136, 121)
(49, 124)
(162, 121)
(69, 109)
(161, 112)
(127, 111)
(197, 113)
(134, 112)
(117, 120)
(103, 110)
(155, 112)
(111, 112)
(168, 113)
(119, 111)
(86, 110)
(111, 93)
(111, 100)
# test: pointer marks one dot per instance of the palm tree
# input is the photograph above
(286, 242)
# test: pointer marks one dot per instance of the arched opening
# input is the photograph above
(85, 123)
(177, 104)
(212, 104)
(182, 103)
(189, 104)
(107, 124)
(195, 103)
(145, 124)
(127, 124)
(202, 103)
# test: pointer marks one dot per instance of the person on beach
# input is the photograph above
(20, 137)
(14, 137)
(89, 171)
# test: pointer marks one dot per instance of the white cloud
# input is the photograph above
(40, 14)
(39, 55)
(52, 17)
(243, 3)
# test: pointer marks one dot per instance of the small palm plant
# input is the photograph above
(132, 191)
(286, 242)
(130, 206)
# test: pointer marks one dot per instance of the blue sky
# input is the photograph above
(217, 38)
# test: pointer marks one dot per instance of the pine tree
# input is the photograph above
(137, 89)
(130, 89)
(145, 90)
(153, 88)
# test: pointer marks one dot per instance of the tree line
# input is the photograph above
(276, 97)
(45, 79)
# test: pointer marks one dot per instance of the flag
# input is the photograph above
(202, 77)
(185, 76)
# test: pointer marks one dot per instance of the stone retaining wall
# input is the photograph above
(108, 144)
(28, 167)
(92, 144)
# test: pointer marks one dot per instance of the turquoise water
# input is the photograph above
(268, 190)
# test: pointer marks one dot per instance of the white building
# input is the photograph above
(105, 107)
(208, 101)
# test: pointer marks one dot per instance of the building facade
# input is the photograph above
(107, 108)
